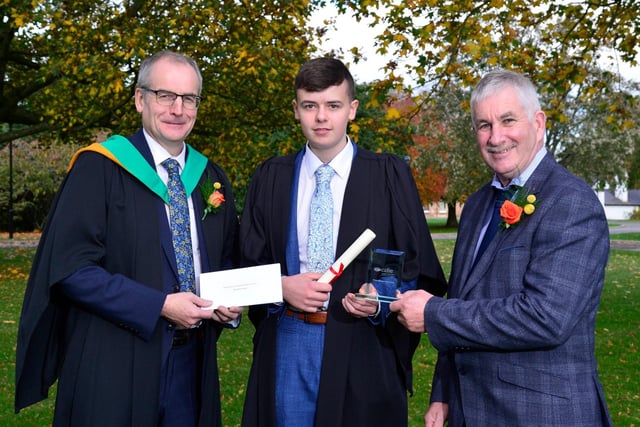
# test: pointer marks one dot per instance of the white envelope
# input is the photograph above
(242, 286)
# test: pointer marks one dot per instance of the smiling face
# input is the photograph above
(168, 125)
(324, 117)
(508, 138)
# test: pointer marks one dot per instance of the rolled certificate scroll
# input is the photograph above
(348, 256)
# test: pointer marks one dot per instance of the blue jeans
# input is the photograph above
(298, 362)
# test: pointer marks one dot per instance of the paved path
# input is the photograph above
(620, 227)
(18, 243)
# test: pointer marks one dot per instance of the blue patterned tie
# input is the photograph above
(180, 227)
(320, 246)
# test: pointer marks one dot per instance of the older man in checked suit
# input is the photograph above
(516, 333)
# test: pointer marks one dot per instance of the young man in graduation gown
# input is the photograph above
(325, 358)
(106, 311)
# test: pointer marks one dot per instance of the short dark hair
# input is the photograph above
(320, 73)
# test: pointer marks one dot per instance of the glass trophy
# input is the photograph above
(385, 274)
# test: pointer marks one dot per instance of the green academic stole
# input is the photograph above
(120, 150)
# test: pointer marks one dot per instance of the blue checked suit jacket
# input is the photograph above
(516, 333)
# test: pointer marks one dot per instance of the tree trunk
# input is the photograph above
(452, 219)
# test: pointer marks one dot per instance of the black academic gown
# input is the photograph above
(366, 369)
(108, 367)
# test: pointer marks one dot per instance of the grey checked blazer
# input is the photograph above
(516, 333)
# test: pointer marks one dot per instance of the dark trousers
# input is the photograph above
(180, 387)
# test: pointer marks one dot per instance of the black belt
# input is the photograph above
(183, 337)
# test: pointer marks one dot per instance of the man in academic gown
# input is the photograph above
(102, 312)
(362, 356)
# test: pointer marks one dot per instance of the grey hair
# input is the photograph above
(497, 80)
(144, 75)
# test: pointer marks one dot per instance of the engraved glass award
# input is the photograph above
(385, 274)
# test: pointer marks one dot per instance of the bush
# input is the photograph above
(38, 170)
(635, 216)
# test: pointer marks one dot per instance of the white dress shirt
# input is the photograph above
(306, 186)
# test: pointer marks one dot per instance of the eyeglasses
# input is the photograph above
(167, 98)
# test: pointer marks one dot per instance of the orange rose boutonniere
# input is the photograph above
(512, 210)
(213, 198)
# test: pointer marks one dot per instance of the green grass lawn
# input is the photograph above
(617, 343)
(626, 236)
(439, 225)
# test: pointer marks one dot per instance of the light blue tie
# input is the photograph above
(320, 246)
(180, 227)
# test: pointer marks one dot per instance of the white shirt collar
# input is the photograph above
(526, 174)
(341, 163)
(160, 154)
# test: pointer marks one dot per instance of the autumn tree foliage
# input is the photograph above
(430, 181)
(69, 69)
(572, 50)
(555, 42)
(380, 125)
(444, 158)
(588, 140)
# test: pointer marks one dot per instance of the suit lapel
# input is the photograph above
(470, 275)
(139, 141)
(542, 173)
(292, 258)
(468, 235)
